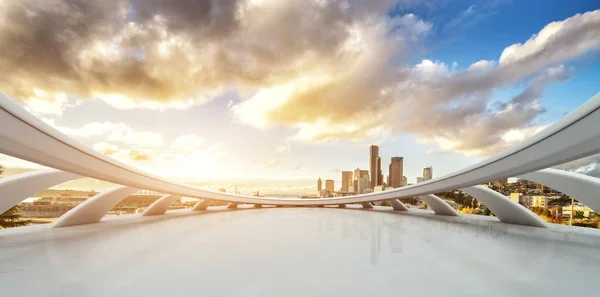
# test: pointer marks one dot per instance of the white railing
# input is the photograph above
(24, 136)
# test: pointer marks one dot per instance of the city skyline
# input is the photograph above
(448, 85)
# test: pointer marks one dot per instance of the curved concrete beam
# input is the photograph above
(16, 188)
(505, 209)
(438, 205)
(397, 205)
(572, 137)
(161, 205)
(93, 209)
(201, 205)
(582, 187)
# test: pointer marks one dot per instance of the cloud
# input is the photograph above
(272, 164)
(450, 108)
(282, 148)
(189, 142)
(106, 148)
(42, 103)
(136, 155)
(330, 69)
(121, 154)
(589, 166)
(109, 131)
(140, 53)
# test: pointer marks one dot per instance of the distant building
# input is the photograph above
(346, 180)
(329, 186)
(325, 194)
(419, 179)
(427, 173)
(363, 184)
(222, 190)
(541, 201)
(566, 210)
(358, 173)
(515, 197)
(319, 186)
(499, 183)
(404, 181)
(380, 174)
(374, 165)
(396, 172)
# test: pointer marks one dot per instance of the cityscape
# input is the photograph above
(371, 180)
(552, 206)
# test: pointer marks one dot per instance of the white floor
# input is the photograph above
(298, 252)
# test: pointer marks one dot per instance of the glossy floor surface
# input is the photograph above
(296, 252)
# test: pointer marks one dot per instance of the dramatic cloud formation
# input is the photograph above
(440, 105)
(335, 69)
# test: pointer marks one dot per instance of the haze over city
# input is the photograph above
(271, 95)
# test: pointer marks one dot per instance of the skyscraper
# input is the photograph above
(319, 185)
(329, 185)
(396, 172)
(357, 176)
(346, 180)
(380, 175)
(427, 173)
(362, 184)
(374, 165)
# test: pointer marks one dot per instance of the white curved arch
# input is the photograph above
(573, 137)
(16, 188)
(201, 205)
(93, 209)
(505, 209)
(161, 205)
(580, 186)
(397, 205)
(438, 205)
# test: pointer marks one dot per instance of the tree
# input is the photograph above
(11, 218)
(487, 211)
(546, 213)
(578, 215)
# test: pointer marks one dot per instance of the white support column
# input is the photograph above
(202, 205)
(582, 187)
(161, 205)
(232, 205)
(93, 209)
(505, 209)
(16, 188)
(397, 205)
(367, 205)
(438, 205)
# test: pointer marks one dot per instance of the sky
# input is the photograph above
(274, 94)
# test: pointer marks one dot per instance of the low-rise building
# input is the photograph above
(566, 210)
